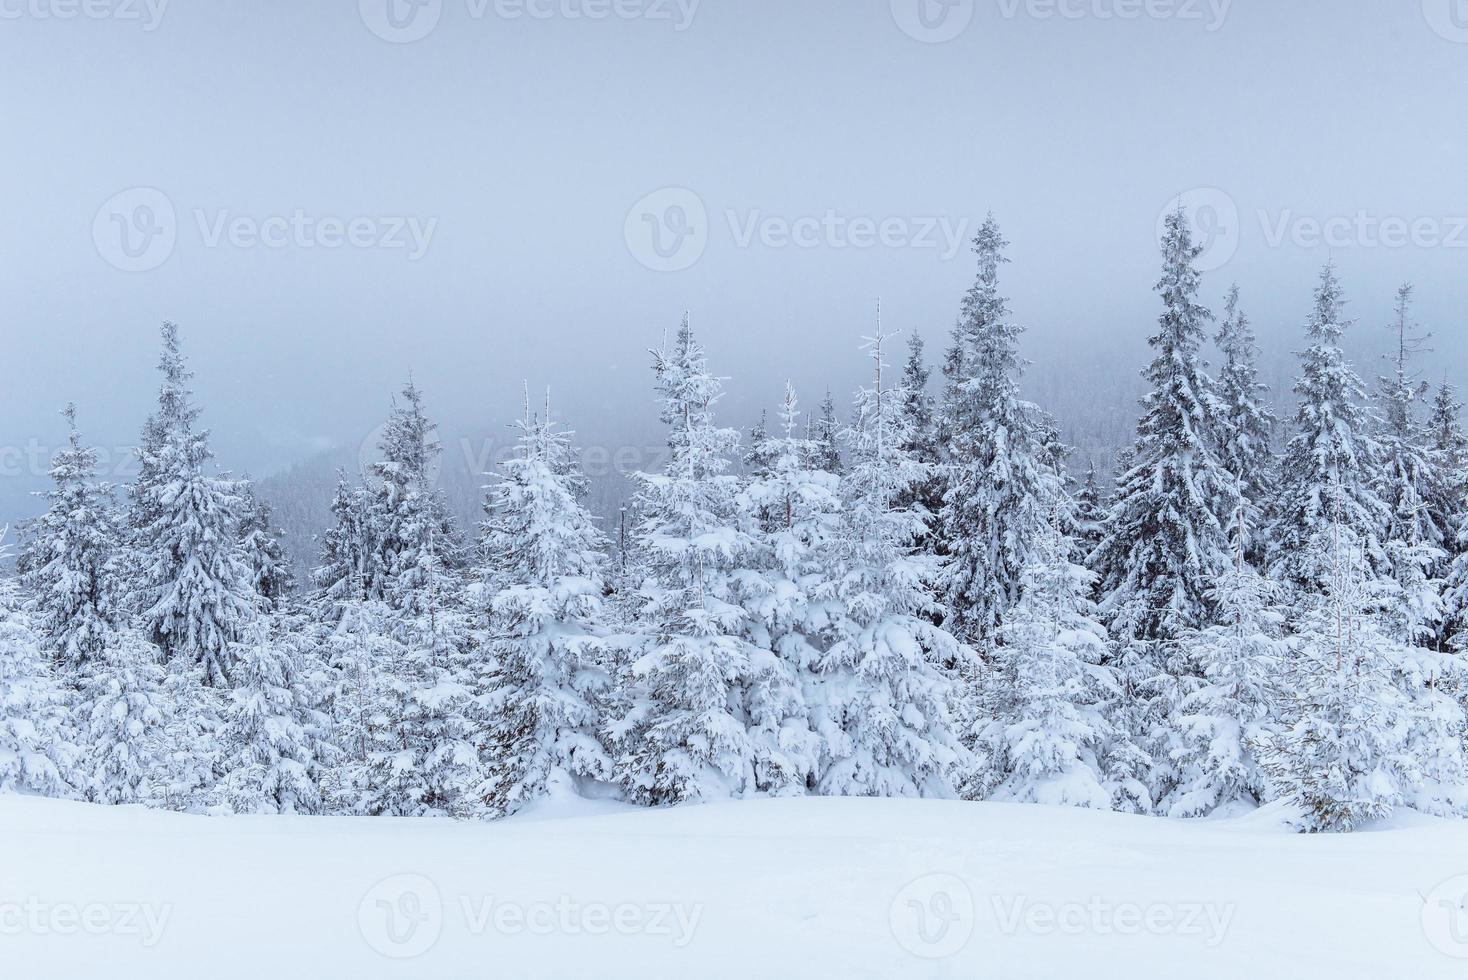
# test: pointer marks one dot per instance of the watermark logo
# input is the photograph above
(933, 916)
(147, 12)
(406, 21)
(404, 916)
(138, 229)
(668, 230)
(401, 917)
(932, 21)
(1445, 917)
(400, 21)
(1213, 218)
(1447, 18)
(135, 230)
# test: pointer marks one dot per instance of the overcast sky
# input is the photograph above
(326, 195)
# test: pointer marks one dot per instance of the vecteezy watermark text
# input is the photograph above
(404, 916)
(132, 919)
(406, 21)
(669, 230)
(148, 13)
(137, 230)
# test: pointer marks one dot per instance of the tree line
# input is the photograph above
(920, 600)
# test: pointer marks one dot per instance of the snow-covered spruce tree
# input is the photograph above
(1224, 724)
(1245, 425)
(406, 510)
(120, 718)
(794, 512)
(1326, 471)
(1046, 733)
(346, 553)
(198, 596)
(543, 557)
(35, 756)
(824, 437)
(422, 760)
(1090, 518)
(922, 422)
(1344, 757)
(882, 704)
(274, 737)
(261, 550)
(683, 735)
(1165, 542)
(1406, 481)
(359, 651)
(1448, 505)
(71, 575)
(998, 491)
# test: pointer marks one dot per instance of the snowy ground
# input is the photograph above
(799, 888)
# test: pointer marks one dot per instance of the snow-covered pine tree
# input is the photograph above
(406, 510)
(794, 510)
(1165, 542)
(1448, 505)
(882, 705)
(1046, 734)
(1225, 724)
(824, 437)
(543, 558)
(1405, 481)
(922, 422)
(346, 553)
(1245, 425)
(71, 576)
(261, 549)
(198, 597)
(359, 650)
(1090, 518)
(684, 736)
(998, 491)
(1344, 757)
(274, 738)
(1326, 471)
(120, 723)
(35, 756)
(422, 760)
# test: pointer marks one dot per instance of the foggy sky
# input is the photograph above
(524, 143)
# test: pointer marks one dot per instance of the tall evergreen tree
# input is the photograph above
(921, 420)
(1245, 424)
(1090, 517)
(407, 512)
(795, 509)
(998, 491)
(543, 568)
(71, 572)
(683, 735)
(261, 550)
(198, 594)
(1327, 465)
(825, 445)
(884, 706)
(1165, 542)
(1406, 481)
